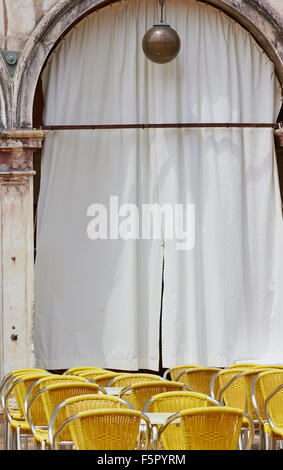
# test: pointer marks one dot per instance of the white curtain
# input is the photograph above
(98, 301)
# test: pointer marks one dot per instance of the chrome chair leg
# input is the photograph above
(13, 440)
(5, 435)
(18, 438)
(267, 441)
(241, 442)
(9, 437)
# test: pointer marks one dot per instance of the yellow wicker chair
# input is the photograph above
(263, 385)
(105, 429)
(257, 398)
(38, 410)
(174, 402)
(175, 371)
(256, 413)
(139, 393)
(126, 380)
(242, 365)
(78, 370)
(49, 397)
(9, 378)
(249, 375)
(198, 378)
(233, 389)
(48, 380)
(91, 374)
(104, 379)
(72, 406)
(233, 392)
(211, 428)
(256, 365)
(236, 392)
(123, 380)
(274, 412)
(14, 373)
(16, 425)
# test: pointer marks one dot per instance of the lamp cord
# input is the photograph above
(161, 3)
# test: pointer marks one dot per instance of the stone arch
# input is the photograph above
(253, 15)
(5, 96)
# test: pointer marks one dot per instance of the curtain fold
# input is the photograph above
(221, 298)
(98, 300)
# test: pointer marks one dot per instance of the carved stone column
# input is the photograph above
(17, 248)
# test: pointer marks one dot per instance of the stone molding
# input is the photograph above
(16, 150)
(5, 96)
(253, 15)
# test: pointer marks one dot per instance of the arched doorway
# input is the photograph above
(65, 15)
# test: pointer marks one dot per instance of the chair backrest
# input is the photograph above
(232, 388)
(72, 406)
(37, 412)
(270, 380)
(124, 380)
(52, 379)
(211, 428)
(174, 372)
(75, 370)
(198, 378)
(91, 374)
(174, 402)
(50, 396)
(255, 365)
(214, 428)
(273, 408)
(17, 385)
(104, 379)
(263, 385)
(242, 365)
(258, 411)
(105, 429)
(222, 378)
(10, 375)
(142, 392)
(79, 403)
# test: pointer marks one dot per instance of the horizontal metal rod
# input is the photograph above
(161, 126)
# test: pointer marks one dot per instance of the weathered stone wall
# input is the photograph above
(18, 18)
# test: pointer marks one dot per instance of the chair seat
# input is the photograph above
(23, 424)
(41, 435)
(274, 433)
(257, 423)
(16, 414)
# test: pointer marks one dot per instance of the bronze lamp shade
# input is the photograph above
(161, 43)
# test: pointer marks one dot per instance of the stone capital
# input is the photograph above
(16, 150)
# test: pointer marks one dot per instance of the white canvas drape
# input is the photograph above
(98, 301)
